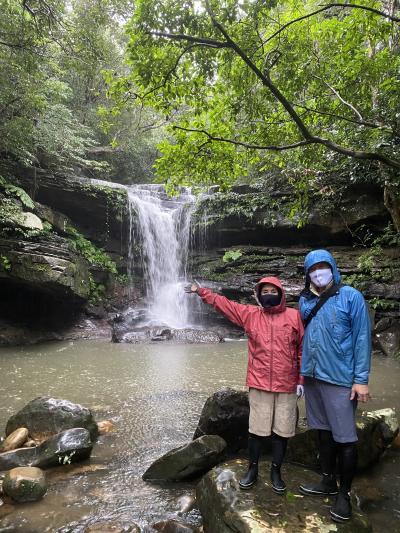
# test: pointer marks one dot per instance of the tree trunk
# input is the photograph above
(392, 203)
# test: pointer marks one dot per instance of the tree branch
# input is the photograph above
(325, 8)
(336, 93)
(245, 145)
(172, 70)
(265, 79)
(190, 38)
(340, 117)
(357, 154)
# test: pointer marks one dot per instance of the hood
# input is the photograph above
(276, 282)
(318, 256)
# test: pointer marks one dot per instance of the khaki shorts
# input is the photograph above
(272, 412)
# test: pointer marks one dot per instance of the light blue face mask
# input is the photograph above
(321, 277)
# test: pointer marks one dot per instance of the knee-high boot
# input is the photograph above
(327, 454)
(255, 443)
(279, 445)
(341, 511)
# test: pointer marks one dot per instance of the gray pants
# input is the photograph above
(329, 407)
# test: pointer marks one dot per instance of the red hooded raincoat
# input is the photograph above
(275, 337)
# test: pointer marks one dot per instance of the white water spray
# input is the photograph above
(161, 227)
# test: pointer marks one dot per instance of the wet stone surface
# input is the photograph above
(227, 508)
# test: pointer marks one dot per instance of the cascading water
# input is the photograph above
(159, 235)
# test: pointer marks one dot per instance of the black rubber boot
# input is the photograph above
(278, 485)
(279, 445)
(251, 475)
(327, 486)
(341, 511)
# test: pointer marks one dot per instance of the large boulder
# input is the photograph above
(376, 431)
(226, 413)
(25, 484)
(187, 461)
(69, 446)
(225, 508)
(46, 416)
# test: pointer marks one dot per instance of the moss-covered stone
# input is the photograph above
(25, 484)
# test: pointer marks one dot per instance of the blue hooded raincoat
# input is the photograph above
(337, 341)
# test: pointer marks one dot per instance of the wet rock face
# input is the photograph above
(25, 484)
(187, 461)
(236, 279)
(259, 218)
(226, 413)
(389, 338)
(69, 446)
(226, 508)
(46, 265)
(47, 416)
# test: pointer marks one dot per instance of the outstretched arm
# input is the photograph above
(233, 311)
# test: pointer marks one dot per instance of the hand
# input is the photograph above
(193, 287)
(360, 392)
(300, 391)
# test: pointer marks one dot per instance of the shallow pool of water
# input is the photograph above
(154, 395)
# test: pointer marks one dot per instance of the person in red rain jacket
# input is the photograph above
(275, 334)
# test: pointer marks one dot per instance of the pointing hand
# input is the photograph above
(193, 287)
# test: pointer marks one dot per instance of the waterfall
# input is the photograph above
(159, 234)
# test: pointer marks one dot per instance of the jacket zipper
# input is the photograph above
(272, 354)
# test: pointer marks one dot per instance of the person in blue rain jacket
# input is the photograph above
(336, 366)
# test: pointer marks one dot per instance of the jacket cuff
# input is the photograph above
(300, 381)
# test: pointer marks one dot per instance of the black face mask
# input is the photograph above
(270, 300)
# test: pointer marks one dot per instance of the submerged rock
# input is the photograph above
(14, 440)
(25, 484)
(226, 413)
(105, 426)
(66, 447)
(112, 527)
(46, 416)
(187, 461)
(146, 335)
(174, 526)
(225, 508)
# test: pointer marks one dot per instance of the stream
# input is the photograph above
(153, 394)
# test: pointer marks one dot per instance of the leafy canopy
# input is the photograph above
(266, 84)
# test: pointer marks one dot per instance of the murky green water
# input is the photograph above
(154, 395)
